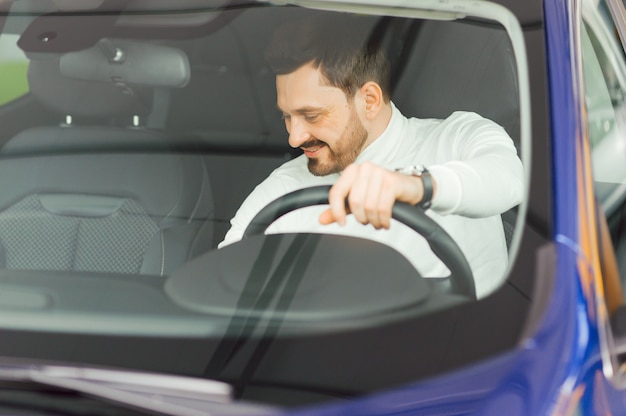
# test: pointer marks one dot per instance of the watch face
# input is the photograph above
(413, 170)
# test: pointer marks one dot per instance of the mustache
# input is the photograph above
(312, 143)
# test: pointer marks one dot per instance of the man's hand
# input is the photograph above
(369, 192)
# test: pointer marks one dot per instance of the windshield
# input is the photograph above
(142, 152)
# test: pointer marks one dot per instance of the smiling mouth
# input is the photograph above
(312, 149)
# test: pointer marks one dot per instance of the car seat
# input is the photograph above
(104, 190)
(466, 67)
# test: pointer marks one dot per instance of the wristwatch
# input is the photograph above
(421, 172)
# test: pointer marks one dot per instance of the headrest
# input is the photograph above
(459, 66)
(80, 98)
(113, 77)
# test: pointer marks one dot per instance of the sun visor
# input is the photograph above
(128, 63)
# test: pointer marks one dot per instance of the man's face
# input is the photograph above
(320, 121)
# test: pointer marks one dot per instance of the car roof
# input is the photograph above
(527, 12)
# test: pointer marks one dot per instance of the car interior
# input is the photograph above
(97, 104)
(108, 166)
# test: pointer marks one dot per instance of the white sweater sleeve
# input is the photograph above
(483, 175)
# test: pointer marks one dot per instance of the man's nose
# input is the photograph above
(298, 133)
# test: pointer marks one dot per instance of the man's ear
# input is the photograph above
(372, 95)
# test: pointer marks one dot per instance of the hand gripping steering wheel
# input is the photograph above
(440, 242)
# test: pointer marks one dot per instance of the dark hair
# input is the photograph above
(337, 45)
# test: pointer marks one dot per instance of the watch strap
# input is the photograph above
(427, 181)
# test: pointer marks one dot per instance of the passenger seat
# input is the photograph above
(101, 191)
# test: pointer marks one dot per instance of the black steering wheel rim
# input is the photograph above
(443, 246)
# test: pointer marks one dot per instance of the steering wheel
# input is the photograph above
(443, 246)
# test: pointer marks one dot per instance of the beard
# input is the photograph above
(345, 152)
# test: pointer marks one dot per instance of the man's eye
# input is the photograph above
(286, 117)
(311, 117)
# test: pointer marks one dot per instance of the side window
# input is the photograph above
(13, 67)
(604, 71)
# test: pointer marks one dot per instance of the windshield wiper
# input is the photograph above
(157, 393)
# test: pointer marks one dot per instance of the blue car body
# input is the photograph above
(564, 361)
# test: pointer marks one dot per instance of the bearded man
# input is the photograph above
(333, 92)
